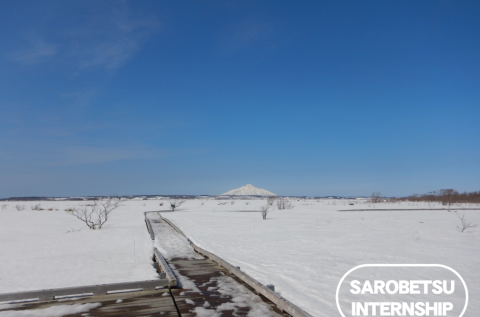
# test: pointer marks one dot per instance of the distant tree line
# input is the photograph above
(445, 196)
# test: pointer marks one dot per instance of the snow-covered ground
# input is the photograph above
(303, 251)
(42, 249)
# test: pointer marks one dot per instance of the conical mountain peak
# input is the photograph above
(249, 190)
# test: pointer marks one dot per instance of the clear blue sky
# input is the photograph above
(199, 97)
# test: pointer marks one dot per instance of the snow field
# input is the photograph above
(305, 251)
(42, 249)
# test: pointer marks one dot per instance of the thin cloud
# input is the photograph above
(111, 36)
(81, 98)
(79, 155)
(247, 33)
(48, 154)
(40, 51)
(98, 35)
(109, 55)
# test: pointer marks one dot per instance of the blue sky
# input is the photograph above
(199, 97)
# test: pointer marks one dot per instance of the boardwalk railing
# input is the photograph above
(281, 302)
(166, 269)
(149, 227)
(83, 291)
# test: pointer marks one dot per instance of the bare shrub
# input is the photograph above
(447, 197)
(284, 203)
(95, 214)
(232, 202)
(4, 206)
(222, 203)
(175, 203)
(161, 204)
(246, 203)
(465, 223)
(264, 210)
(271, 200)
(376, 197)
(36, 207)
(20, 207)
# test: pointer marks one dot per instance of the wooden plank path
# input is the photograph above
(204, 273)
(194, 286)
(150, 303)
(208, 298)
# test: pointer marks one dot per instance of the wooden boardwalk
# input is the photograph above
(160, 302)
(150, 303)
(208, 297)
(204, 274)
(204, 289)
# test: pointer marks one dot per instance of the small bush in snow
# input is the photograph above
(271, 200)
(20, 207)
(36, 207)
(284, 204)
(264, 210)
(465, 223)
(95, 214)
(4, 206)
(175, 203)
(376, 198)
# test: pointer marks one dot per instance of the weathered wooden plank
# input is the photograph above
(153, 303)
(84, 291)
(149, 228)
(166, 268)
(188, 300)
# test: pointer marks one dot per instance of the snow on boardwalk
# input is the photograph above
(204, 288)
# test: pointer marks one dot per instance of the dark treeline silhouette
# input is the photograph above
(446, 197)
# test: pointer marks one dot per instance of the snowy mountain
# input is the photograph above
(249, 190)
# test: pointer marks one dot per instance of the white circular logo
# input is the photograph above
(402, 290)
